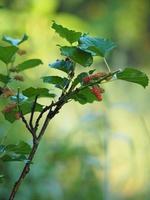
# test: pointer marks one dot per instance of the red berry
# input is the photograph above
(96, 90)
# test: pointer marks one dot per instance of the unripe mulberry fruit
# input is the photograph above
(17, 115)
(98, 75)
(9, 108)
(86, 79)
(19, 78)
(7, 92)
(21, 52)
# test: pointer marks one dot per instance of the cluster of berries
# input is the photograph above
(6, 92)
(11, 107)
(96, 89)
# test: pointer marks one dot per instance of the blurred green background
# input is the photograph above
(97, 151)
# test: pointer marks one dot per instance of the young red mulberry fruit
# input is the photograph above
(88, 79)
(96, 90)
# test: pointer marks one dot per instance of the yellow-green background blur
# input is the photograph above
(96, 151)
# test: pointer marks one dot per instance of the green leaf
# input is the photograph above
(7, 53)
(96, 46)
(20, 148)
(1, 178)
(4, 79)
(27, 106)
(42, 92)
(84, 96)
(28, 64)
(63, 65)
(70, 35)
(133, 75)
(59, 82)
(64, 83)
(16, 152)
(2, 149)
(10, 116)
(8, 158)
(77, 55)
(14, 41)
(52, 79)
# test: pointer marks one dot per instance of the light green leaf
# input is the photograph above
(70, 35)
(15, 41)
(63, 65)
(7, 53)
(27, 106)
(41, 92)
(96, 46)
(133, 75)
(28, 64)
(77, 55)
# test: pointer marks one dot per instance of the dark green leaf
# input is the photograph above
(5, 79)
(77, 55)
(92, 71)
(28, 64)
(59, 82)
(10, 116)
(133, 75)
(2, 149)
(41, 92)
(1, 178)
(70, 35)
(16, 152)
(52, 79)
(64, 83)
(84, 96)
(8, 158)
(21, 148)
(63, 65)
(14, 41)
(7, 53)
(96, 46)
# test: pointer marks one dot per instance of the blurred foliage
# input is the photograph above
(98, 151)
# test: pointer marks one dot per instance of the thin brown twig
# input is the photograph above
(45, 109)
(26, 168)
(21, 114)
(32, 114)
